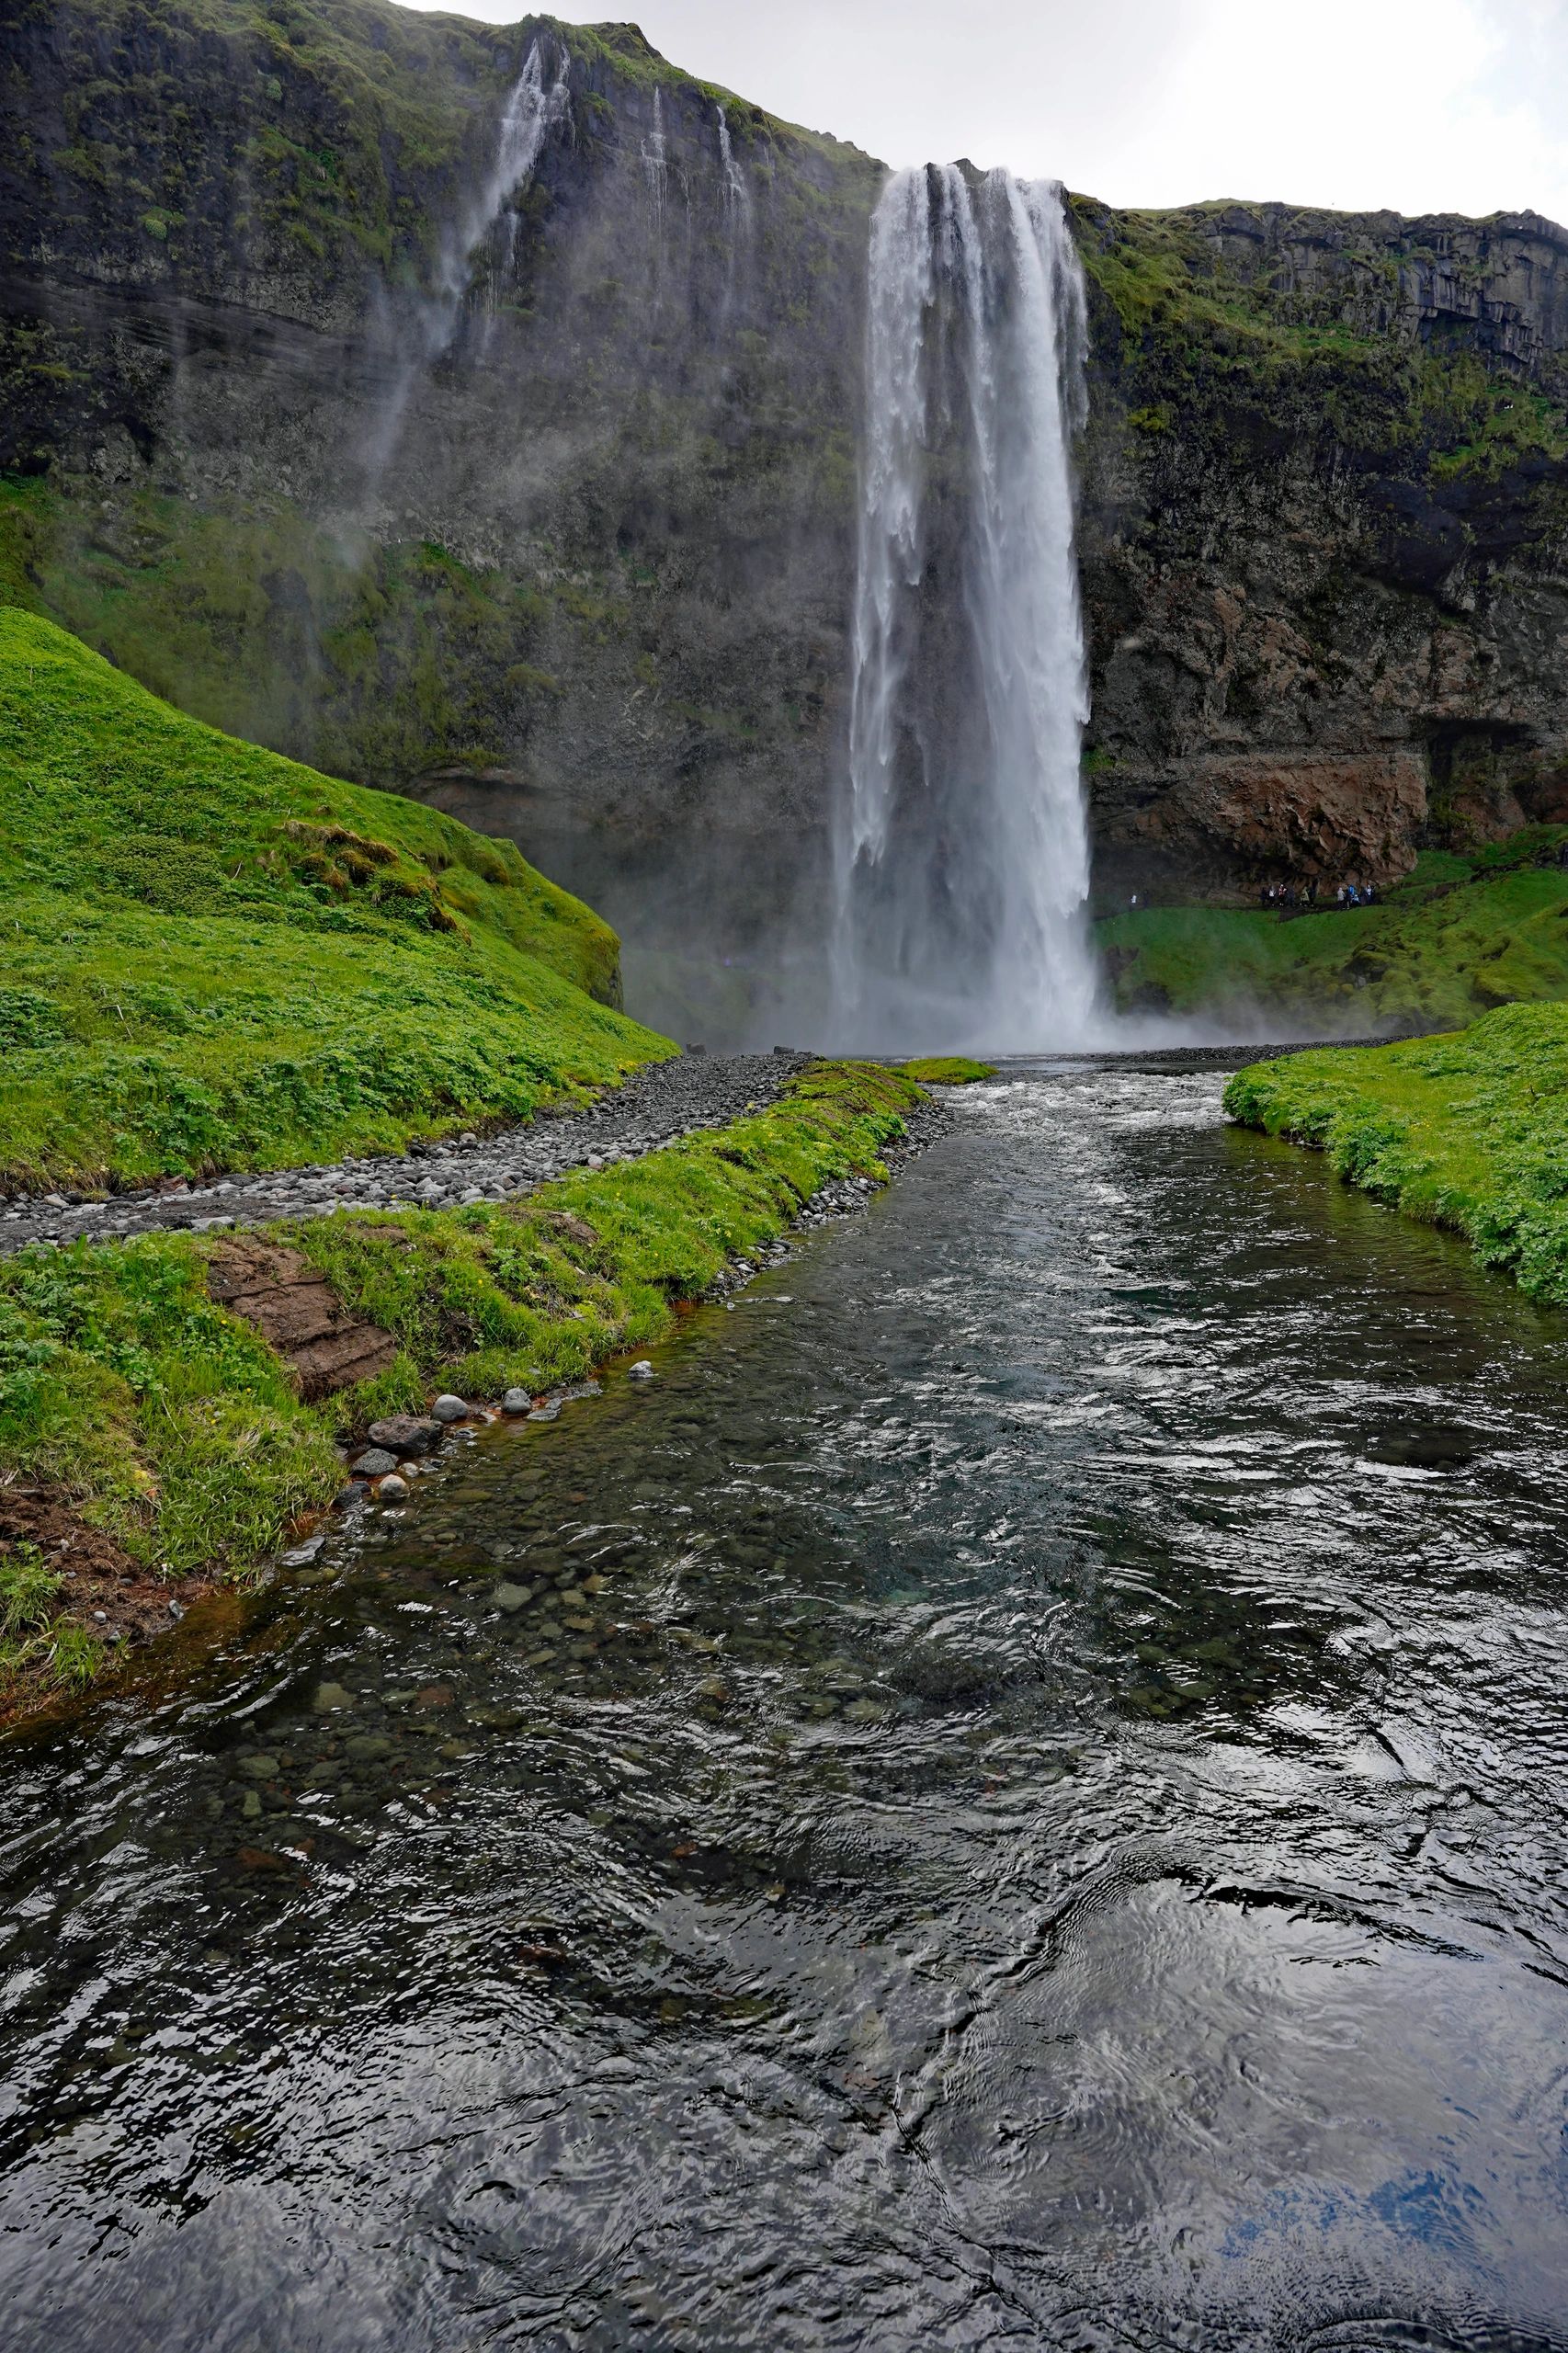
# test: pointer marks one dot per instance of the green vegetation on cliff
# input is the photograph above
(1467, 1131)
(166, 1426)
(1198, 333)
(211, 958)
(1465, 934)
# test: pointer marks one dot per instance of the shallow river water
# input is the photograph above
(1025, 1806)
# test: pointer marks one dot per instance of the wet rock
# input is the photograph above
(508, 1598)
(406, 1434)
(303, 1554)
(516, 1400)
(368, 1747)
(329, 1696)
(642, 1371)
(392, 1488)
(259, 1767)
(250, 1806)
(350, 1498)
(451, 1409)
(374, 1463)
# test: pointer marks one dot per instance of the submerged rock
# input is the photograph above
(642, 1371)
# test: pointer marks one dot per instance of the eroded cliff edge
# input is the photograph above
(573, 554)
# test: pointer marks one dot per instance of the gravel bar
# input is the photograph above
(654, 1107)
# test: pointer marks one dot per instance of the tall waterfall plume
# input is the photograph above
(962, 849)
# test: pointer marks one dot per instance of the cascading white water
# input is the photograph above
(962, 848)
(533, 112)
(423, 332)
(655, 172)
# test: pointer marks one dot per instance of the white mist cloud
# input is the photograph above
(1416, 105)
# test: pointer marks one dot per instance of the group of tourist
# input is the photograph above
(1281, 896)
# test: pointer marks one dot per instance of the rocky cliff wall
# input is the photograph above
(1325, 539)
(572, 552)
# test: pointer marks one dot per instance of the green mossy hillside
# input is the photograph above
(212, 958)
(1464, 936)
(1467, 1131)
(167, 1422)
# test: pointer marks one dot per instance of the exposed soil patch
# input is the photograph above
(299, 1315)
(111, 1597)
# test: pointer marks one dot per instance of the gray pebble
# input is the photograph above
(374, 1463)
(392, 1488)
(451, 1409)
(642, 1371)
(516, 1400)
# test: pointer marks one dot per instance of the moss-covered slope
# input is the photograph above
(1468, 1132)
(211, 958)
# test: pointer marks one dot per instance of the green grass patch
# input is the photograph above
(169, 1423)
(1468, 1132)
(1463, 937)
(213, 958)
(948, 1069)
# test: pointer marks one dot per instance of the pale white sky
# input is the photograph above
(1419, 104)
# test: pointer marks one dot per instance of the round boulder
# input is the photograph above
(406, 1434)
(374, 1463)
(451, 1409)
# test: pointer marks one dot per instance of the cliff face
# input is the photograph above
(551, 516)
(550, 520)
(1325, 538)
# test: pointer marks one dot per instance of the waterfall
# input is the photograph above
(533, 110)
(656, 171)
(963, 853)
(424, 331)
(737, 196)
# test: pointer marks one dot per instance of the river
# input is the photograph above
(1023, 1804)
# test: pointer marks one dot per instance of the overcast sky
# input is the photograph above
(1420, 105)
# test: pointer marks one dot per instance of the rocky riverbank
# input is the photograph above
(653, 1107)
(180, 1404)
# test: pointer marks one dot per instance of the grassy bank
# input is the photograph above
(157, 1431)
(1465, 934)
(213, 958)
(1468, 1132)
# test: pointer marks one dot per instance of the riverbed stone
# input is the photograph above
(392, 1488)
(374, 1463)
(642, 1371)
(368, 1747)
(517, 1400)
(509, 1597)
(329, 1696)
(448, 1408)
(406, 1434)
(260, 1767)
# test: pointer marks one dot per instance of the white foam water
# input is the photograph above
(962, 855)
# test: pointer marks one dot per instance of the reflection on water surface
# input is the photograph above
(1015, 1798)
